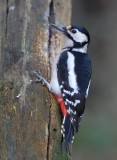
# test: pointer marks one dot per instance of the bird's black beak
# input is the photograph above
(61, 29)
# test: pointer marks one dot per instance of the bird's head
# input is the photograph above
(76, 36)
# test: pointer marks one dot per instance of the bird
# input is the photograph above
(70, 79)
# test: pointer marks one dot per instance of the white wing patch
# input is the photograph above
(71, 73)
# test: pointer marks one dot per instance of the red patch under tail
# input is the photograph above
(62, 105)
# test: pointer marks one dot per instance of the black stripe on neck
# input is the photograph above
(79, 45)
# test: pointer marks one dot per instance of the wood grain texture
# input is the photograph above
(29, 115)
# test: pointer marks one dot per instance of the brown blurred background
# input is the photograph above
(97, 138)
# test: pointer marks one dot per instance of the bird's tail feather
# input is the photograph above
(67, 131)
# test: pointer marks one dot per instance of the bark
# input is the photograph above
(29, 115)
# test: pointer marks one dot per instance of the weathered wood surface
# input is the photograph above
(29, 116)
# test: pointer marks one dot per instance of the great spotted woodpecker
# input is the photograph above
(70, 79)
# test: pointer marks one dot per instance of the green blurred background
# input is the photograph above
(97, 137)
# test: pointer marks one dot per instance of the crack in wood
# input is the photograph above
(7, 13)
(51, 20)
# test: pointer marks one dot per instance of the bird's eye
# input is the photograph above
(74, 30)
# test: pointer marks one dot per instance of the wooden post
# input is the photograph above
(29, 115)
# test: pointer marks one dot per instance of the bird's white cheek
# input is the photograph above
(78, 37)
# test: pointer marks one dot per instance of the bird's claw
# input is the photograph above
(39, 77)
(37, 74)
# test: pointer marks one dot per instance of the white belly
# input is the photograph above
(55, 86)
(54, 80)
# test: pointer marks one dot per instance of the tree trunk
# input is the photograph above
(29, 115)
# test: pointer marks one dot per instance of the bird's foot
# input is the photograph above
(39, 77)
